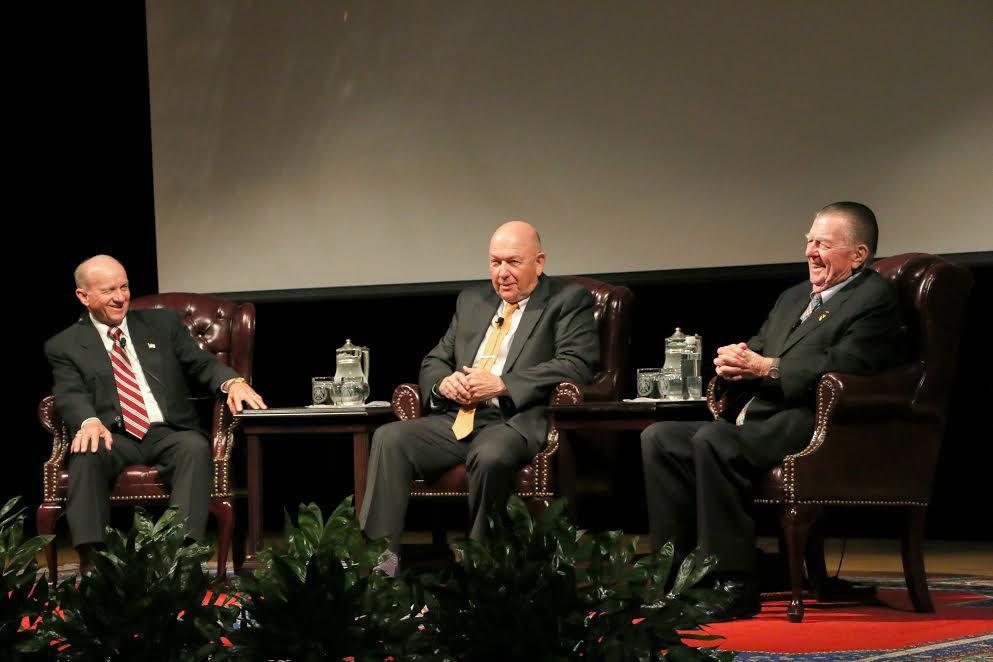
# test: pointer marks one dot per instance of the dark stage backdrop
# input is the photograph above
(88, 170)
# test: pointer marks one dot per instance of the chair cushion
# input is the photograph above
(134, 483)
(455, 482)
(771, 487)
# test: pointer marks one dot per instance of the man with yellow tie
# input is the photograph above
(487, 383)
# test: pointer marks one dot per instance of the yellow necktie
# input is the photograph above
(464, 420)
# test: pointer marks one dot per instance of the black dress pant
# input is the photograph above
(426, 447)
(698, 482)
(182, 457)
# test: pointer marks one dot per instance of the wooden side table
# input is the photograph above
(360, 422)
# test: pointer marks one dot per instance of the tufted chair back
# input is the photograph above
(933, 293)
(224, 328)
(612, 310)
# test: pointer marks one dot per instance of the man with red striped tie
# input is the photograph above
(121, 386)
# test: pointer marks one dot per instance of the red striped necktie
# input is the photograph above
(132, 404)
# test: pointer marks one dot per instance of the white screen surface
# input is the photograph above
(324, 143)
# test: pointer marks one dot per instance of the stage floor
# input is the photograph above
(862, 555)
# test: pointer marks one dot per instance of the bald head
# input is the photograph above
(518, 233)
(102, 286)
(101, 263)
(516, 260)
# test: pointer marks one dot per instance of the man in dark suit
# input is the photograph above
(699, 475)
(121, 385)
(486, 383)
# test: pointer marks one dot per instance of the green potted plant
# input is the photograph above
(145, 599)
(539, 589)
(319, 598)
(23, 594)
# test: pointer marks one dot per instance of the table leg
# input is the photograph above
(360, 465)
(253, 543)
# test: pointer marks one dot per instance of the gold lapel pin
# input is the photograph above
(823, 315)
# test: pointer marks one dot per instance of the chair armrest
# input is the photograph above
(406, 401)
(567, 393)
(717, 400)
(603, 388)
(47, 415)
(886, 394)
(52, 422)
(725, 399)
(223, 425)
(870, 442)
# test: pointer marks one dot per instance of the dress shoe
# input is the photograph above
(86, 554)
(734, 596)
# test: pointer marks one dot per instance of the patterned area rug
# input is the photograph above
(960, 629)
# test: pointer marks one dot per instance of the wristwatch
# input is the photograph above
(774, 369)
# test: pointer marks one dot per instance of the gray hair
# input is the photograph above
(861, 224)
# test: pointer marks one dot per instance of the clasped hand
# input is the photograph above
(737, 362)
(471, 386)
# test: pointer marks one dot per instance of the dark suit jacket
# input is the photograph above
(556, 340)
(170, 359)
(859, 330)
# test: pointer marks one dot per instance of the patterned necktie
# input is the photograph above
(501, 327)
(815, 303)
(128, 392)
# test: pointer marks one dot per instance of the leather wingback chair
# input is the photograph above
(537, 482)
(223, 328)
(876, 438)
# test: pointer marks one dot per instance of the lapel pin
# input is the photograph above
(151, 345)
(823, 315)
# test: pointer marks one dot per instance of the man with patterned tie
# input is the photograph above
(121, 387)
(486, 383)
(698, 475)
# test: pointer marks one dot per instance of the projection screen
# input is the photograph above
(322, 143)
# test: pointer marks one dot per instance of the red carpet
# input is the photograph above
(962, 625)
(961, 629)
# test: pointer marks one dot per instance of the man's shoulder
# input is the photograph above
(68, 336)
(876, 285)
(558, 285)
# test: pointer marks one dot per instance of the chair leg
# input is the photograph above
(223, 510)
(796, 520)
(912, 550)
(48, 514)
